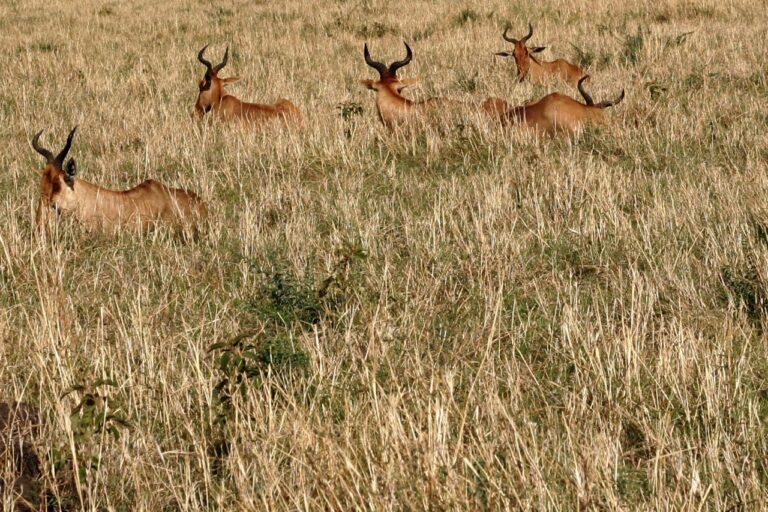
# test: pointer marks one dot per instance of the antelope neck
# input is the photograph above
(388, 97)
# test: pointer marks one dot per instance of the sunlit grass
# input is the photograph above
(456, 317)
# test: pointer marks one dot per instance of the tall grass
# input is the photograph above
(460, 317)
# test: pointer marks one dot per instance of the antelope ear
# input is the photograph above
(71, 167)
(230, 80)
(69, 174)
(370, 84)
(503, 54)
(538, 49)
(407, 82)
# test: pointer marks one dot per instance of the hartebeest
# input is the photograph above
(63, 193)
(539, 71)
(393, 108)
(213, 97)
(554, 112)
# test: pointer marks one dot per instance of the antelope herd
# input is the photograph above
(151, 202)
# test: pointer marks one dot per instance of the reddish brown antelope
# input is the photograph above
(554, 112)
(539, 71)
(150, 202)
(213, 98)
(393, 108)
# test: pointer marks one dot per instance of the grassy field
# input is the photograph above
(457, 317)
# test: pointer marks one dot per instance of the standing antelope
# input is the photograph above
(62, 192)
(539, 71)
(393, 108)
(554, 112)
(214, 98)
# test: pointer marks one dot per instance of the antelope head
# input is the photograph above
(521, 52)
(388, 74)
(211, 86)
(590, 102)
(57, 186)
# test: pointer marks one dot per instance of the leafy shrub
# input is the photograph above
(97, 413)
(350, 109)
(583, 58)
(744, 286)
(632, 46)
(374, 30)
(467, 82)
(284, 305)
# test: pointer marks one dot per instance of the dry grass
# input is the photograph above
(504, 322)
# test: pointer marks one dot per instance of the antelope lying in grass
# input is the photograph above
(554, 112)
(539, 71)
(214, 98)
(393, 108)
(62, 192)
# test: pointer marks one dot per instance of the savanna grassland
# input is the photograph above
(457, 317)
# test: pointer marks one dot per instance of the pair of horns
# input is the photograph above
(390, 71)
(588, 99)
(515, 41)
(211, 68)
(58, 160)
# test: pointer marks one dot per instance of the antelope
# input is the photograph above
(554, 112)
(213, 97)
(393, 108)
(62, 192)
(539, 71)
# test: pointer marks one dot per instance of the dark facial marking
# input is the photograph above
(206, 83)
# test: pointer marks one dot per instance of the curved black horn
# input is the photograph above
(218, 67)
(587, 97)
(507, 38)
(606, 104)
(400, 63)
(530, 33)
(59, 160)
(36, 144)
(205, 62)
(378, 66)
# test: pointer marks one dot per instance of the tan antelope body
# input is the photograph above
(393, 108)
(554, 113)
(213, 98)
(146, 204)
(539, 70)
